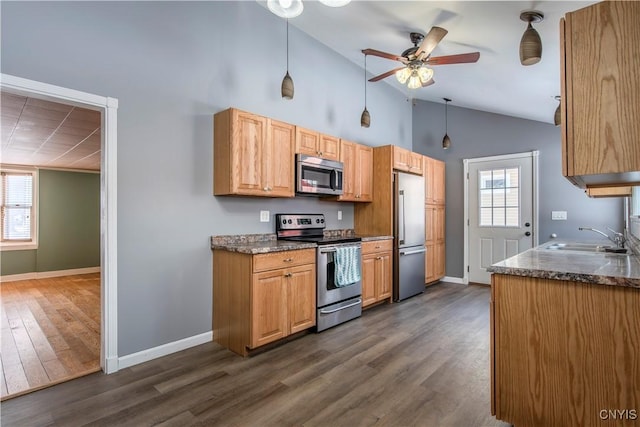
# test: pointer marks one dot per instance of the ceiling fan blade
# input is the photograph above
(462, 58)
(431, 41)
(429, 83)
(385, 75)
(386, 55)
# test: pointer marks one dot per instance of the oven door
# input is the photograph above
(318, 176)
(328, 291)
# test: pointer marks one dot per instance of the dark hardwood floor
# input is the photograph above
(421, 362)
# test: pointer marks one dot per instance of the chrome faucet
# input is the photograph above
(618, 238)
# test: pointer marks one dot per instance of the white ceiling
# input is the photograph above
(496, 83)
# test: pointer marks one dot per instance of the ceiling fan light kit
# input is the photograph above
(446, 141)
(416, 61)
(530, 44)
(335, 3)
(286, 8)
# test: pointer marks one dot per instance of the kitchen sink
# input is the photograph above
(585, 247)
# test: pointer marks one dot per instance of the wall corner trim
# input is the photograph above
(163, 350)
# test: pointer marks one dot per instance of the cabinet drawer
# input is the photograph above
(273, 260)
(377, 246)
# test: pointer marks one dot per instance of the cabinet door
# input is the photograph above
(364, 173)
(439, 227)
(307, 141)
(438, 181)
(430, 264)
(368, 279)
(278, 160)
(415, 163)
(439, 260)
(427, 168)
(601, 88)
(401, 159)
(349, 180)
(384, 275)
(268, 307)
(249, 140)
(301, 296)
(329, 147)
(431, 225)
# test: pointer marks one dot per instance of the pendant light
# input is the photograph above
(446, 141)
(285, 8)
(557, 116)
(287, 82)
(530, 44)
(365, 118)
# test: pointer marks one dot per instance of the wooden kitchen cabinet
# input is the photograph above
(595, 192)
(407, 161)
(377, 270)
(358, 172)
(253, 155)
(563, 351)
(317, 144)
(259, 299)
(600, 101)
(435, 258)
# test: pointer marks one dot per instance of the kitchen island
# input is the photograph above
(565, 338)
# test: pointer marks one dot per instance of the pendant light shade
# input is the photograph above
(287, 83)
(557, 116)
(446, 141)
(530, 44)
(285, 8)
(365, 118)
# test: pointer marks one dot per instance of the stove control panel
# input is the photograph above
(299, 221)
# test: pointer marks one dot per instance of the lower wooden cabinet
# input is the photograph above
(564, 353)
(377, 271)
(434, 262)
(259, 299)
(435, 243)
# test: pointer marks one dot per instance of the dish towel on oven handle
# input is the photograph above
(347, 265)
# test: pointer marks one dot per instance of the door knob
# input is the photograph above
(526, 224)
(528, 233)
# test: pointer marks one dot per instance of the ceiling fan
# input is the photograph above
(417, 59)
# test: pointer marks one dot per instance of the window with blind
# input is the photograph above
(17, 195)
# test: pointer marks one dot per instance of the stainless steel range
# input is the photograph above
(336, 301)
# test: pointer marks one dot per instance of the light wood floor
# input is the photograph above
(421, 362)
(50, 331)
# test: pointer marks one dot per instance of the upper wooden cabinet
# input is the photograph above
(358, 172)
(600, 47)
(252, 155)
(407, 161)
(434, 175)
(317, 144)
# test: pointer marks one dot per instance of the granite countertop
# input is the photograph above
(267, 243)
(601, 268)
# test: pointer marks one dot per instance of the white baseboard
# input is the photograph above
(48, 274)
(163, 350)
(458, 280)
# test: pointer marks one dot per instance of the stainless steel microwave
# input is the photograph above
(317, 176)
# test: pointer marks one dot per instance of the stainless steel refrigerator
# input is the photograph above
(409, 239)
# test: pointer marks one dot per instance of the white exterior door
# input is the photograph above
(500, 211)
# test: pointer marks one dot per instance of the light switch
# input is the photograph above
(264, 216)
(559, 215)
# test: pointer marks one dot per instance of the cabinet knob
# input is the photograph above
(378, 257)
(265, 189)
(288, 275)
(287, 260)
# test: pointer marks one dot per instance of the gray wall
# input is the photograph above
(68, 225)
(172, 65)
(478, 134)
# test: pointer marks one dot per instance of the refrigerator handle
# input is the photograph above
(401, 222)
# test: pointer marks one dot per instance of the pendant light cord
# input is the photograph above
(446, 117)
(287, 45)
(365, 81)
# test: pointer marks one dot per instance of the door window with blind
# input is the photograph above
(499, 197)
(18, 198)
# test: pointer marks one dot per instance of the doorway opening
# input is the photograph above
(107, 279)
(500, 210)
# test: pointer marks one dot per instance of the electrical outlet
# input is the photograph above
(264, 216)
(559, 215)
(339, 215)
